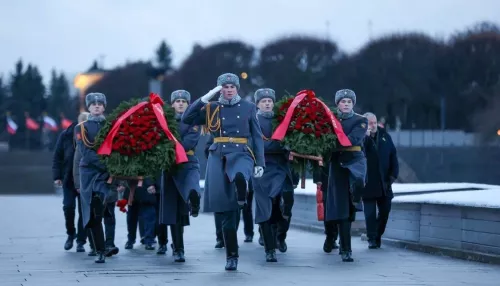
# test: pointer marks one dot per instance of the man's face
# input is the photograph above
(96, 108)
(345, 105)
(180, 105)
(229, 91)
(266, 104)
(372, 124)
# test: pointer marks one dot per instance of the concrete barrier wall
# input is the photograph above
(459, 228)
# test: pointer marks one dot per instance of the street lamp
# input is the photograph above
(83, 81)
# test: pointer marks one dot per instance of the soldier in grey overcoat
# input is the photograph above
(95, 192)
(231, 160)
(347, 171)
(277, 182)
(181, 185)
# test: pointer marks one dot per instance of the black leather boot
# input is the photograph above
(231, 242)
(287, 204)
(111, 250)
(129, 245)
(330, 244)
(69, 242)
(269, 242)
(345, 242)
(219, 243)
(162, 249)
(248, 238)
(194, 200)
(178, 243)
(241, 189)
(372, 244)
(79, 247)
(101, 258)
(281, 245)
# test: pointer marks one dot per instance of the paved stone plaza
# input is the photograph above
(32, 235)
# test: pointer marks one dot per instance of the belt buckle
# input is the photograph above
(231, 139)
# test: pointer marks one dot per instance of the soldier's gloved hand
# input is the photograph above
(206, 98)
(151, 190)
(258, 172)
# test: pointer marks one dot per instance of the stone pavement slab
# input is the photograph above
(32, 235)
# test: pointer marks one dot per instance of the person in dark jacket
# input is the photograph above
(331, 227)
(347, 171)
(62, 173)
(95, 193)
(180, 187)
(142, 210)
(274, 191)
(382, 171)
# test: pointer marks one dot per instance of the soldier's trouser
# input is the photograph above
(110, 224)
(283, 224)
(345, 235)
(267, 233)
(277, 224)
(95, 223)
(69, 206)
(218, 225)
(248, 215)
(229, 232)
(132, 221)
(375, 225)
(177, 231)
(144, 214)
(162, 232)
(331, 226)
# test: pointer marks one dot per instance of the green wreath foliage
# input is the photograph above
(314, 136)
(145, 164)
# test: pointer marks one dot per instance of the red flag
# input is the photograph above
(30, 123)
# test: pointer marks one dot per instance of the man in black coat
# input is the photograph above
(62, 173)
(383, 170)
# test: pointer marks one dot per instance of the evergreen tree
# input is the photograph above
(164, 56)
(3, 96)
(58, 97)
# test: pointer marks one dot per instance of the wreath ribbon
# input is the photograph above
(156, 102)
(282, 128)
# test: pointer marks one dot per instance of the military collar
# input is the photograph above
(233, 100)
(266, 114)
(99, 118)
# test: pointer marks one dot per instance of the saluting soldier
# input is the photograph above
(276, 183)
(231, 162)
(347, 171)
(246, 211)
(94, 189)
(181, 185)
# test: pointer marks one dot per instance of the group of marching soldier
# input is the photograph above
(240, 153)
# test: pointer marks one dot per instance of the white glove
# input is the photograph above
(258, 172)
(206, 98)
(151, 190)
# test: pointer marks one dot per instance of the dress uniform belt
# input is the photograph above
(237, 140)
(190, 152)
(347, 149)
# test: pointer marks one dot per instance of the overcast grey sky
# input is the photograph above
(69, 35)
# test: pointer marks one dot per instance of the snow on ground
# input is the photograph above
(401, 188)
(489, 198)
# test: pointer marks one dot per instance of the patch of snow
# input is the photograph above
(489, 198)
(400, 188)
